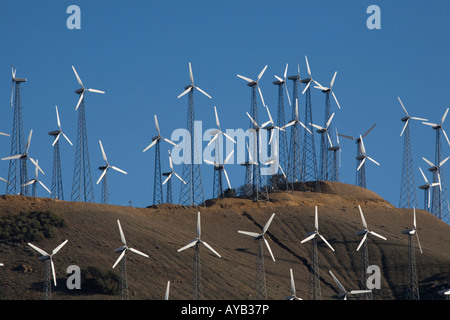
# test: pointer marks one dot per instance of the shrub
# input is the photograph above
(29, 227)
(99, 281)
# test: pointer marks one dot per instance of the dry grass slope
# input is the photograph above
(161, 230)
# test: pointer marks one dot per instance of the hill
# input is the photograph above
(161, 230)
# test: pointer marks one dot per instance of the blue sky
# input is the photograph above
(138, 52)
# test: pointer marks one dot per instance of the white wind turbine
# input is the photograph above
(270, 125)
(313, 234)
(316, 293)
(283, 81)
(344, 293)
(440, 125)
(310, 77)
(158, 137)
(413, 231)
(122, 258)
(261, 292)
(83, 89)
(366, 231)
(330, 89)
(324, 130)
(221, 167)
(107, 166)
(59, 132)
(293, 296)
(197, 278)
(171, 172)
(192, 86)
(296, 120)
(427, 188)
(35, 181)
(364, 155)
(219, 131)
(49, 270)
(252, 82)
(436, 168)
(407, 117)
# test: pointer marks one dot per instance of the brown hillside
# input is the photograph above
(161, 230)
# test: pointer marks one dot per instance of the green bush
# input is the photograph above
(99, 281)
(29, 226)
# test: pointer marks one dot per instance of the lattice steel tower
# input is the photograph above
(309, 160)
(408, 197)
(413, 288)
(191, 193)
(258, 193)
(17, 174)
(294, 168)
(439, 205)
(82, 189)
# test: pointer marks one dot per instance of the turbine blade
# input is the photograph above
(308, 238)
(444, 116)
(446, 137)
(57, 117)
(373, 160)
(268, 248)
(120, 258)
(53, 270)
(362, 217)
(287, 94)
(176, 175)
(362, 241)
(56, 139)
(226, 176)
(306, 88)
(307, 66)
(27, 146)
(228, 137)
(78, 78)
(44, 186)
(151, 145)
(423, 175)
(245, 78)
(367, 132)
(326, 242)
(261, 73)
(332, 80)
(189, 245)
(199, 228)
(138, 252)
(103, 151)
(337, 282)
(260, 94)
(418, 242)
(157, 125)
(184, 92)
(171, 142)
(292, 282)
(361, 164)
(79, 100)
(251, 234)
(428, 161)
(95, 90)
(203, 92)
(404, 109)
(210, 248)
(101, 176)
(377, 235)
(191, 75)
(166, 296)
(122, 236)
(59, 247)
(404, 127)
(66, 138)
(268, 223)
(167, 179)
(118, 169)
(228, 157)
(42, 252)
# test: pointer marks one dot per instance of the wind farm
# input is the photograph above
(258, 177)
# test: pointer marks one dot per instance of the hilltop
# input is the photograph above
(161, 230)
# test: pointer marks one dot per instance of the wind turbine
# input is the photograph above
(82, 189)
(310, 79)
(296, 119)
(218, 131)
(315, 290)
(103, 176)
(57, 185)
(252, 83)
(156, 141)
(49, 270)
(261, 292)
(364, 156)
(122, 259)
(23, 158)
(329, 89)
(83, 89)
(360, 174)
(407, 186)
(427, 189)
(35, 181)
(293, 296)
(413, 291)
(191, 193)
(440, 207)
(344, 293)
(218, 169)
(283, 82)
(168, 180)
(325, 168)
(365, 251)
(197, 282)
(436, 207)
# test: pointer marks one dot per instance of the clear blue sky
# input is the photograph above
(138, 52)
